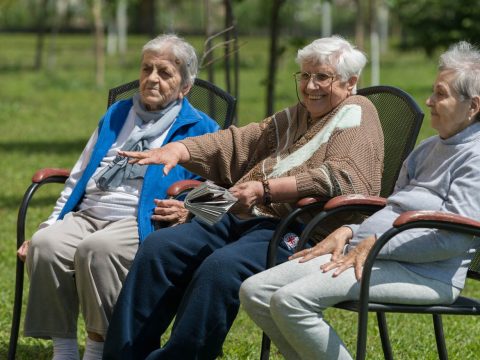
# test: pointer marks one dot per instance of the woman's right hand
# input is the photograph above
(332, 244)
(169, 155)
(23, 250)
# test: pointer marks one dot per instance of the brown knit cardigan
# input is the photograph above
(347, 159)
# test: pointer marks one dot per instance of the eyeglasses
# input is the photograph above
(321, 79)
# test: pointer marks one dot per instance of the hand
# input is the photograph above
(23, 250)
(171, 211)
(248, 194)
(355, 258)
(169, 155)
(332, 244)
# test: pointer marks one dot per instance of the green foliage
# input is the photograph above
(46, 118)
(432, 24)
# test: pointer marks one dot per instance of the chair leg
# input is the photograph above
(265, 352)
(439, 337)
(383, 329)
(17, 311)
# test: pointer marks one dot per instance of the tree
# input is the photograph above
(430, 24)
(274, 53)
(97, 11)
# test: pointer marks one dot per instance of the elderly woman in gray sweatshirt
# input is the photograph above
(419, 266)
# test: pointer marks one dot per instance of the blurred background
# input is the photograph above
(58, 58)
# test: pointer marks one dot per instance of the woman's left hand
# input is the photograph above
(248, 194)
(354, 258)
(171, 211)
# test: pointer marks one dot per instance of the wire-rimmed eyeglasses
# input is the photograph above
(322, 79)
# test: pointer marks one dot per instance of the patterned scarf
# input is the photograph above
(120, 170)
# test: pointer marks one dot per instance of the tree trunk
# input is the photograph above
(99, 43)
(374, 44)
(41, 20)
(274, 53)
(326, 18)
(208, 45)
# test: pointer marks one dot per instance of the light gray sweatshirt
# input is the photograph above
(439, 175)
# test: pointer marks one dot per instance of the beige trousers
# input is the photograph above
(76, 261)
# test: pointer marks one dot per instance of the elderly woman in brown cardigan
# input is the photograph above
(330, 143)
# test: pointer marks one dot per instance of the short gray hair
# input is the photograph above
(336, 52)
(464, 60)
(181, 49)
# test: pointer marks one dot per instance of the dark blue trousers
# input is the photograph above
(194, 272)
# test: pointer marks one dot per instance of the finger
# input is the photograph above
(168, 218)
(341, 269)
(300, 253)
(166, 169)
(132, 154)
(358, 271)
(337, 253)
(329, 266)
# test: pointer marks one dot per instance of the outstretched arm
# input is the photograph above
(169, 155)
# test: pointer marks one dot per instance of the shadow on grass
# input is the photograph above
(13, 202)
(46, 147)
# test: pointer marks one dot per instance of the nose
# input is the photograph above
(311, 84)
(429, 101)
(153, 76)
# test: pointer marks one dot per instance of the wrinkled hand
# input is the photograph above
(23, 250)
(355, 258)
(171, 211)
(169, 155)
(248, 194)
(332, 244)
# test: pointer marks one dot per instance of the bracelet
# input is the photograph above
(267, 195)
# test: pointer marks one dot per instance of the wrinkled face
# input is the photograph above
(320, 97)
(160, 80)
(449, 113)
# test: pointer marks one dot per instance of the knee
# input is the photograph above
(284, 303)
(251, 294)
(43, 246)
(221, 271)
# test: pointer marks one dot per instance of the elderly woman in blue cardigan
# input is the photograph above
(80, 256)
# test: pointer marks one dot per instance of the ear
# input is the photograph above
(351, 83)
(185, 90)
(474, 106)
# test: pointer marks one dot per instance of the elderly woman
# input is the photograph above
(329, 144)
(421, 266)
(81, 254)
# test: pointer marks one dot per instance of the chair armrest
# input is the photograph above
(409, 220)
(435, 216)
(355, 199)
(181, 186)
(48, 173)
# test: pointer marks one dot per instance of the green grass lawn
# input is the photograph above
(47, 116)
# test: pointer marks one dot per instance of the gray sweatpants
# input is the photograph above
(288, 301)
(77, 260)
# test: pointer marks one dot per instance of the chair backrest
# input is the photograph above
(401, 119)
(204, 96)
(474, 268)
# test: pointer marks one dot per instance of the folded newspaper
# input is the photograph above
(209, 202)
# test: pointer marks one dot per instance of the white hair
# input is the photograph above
(464, 60)
(336, 52)
(183, 52)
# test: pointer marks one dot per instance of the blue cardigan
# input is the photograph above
(190, 122)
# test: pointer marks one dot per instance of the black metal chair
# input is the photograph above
(401, 119)
(204, 96)
(408, 220)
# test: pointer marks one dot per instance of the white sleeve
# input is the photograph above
(72, 180)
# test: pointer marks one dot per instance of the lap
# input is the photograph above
(79, 231)
(390, 282)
